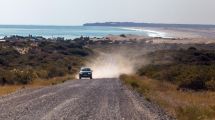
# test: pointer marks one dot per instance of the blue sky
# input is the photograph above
(77, 12)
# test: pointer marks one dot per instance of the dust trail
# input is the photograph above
(113, 64)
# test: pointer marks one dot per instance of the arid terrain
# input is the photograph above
(135, 77)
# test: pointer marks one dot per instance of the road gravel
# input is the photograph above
(97, 99)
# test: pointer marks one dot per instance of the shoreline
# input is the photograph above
(140, 34)
(140, 31)
(149, 32)
(77, 31)
(69, 32)
(120, 39)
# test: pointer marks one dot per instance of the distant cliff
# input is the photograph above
(132, 24)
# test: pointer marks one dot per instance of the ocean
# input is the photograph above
(70, 32)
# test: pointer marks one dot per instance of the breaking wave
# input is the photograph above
(150, 33)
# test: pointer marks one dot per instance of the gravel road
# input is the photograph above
(98, 99)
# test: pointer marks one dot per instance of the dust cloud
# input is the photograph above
(114, 63)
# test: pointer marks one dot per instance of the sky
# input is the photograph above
(77, 12)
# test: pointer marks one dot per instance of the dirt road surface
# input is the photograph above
(97, 99)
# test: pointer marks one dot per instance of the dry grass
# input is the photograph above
(7, 89)
(53, 81)
(184, 105)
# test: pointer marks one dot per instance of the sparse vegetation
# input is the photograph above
(7, 89)
(43, 60)
(180, 81)
(123, 35)
(183, 105)
(188, 69)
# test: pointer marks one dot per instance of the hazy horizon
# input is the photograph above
(59, 25)
(74, 13)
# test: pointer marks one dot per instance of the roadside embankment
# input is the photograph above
(37, 83)
(184, 105)
(180, 81)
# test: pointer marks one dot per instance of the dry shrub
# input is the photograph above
(195, 113)
(184, 105)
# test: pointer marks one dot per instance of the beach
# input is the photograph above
(155, 35)
(169, 35)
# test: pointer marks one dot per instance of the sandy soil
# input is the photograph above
(175, 36)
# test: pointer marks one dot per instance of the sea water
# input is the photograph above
(70, 32)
